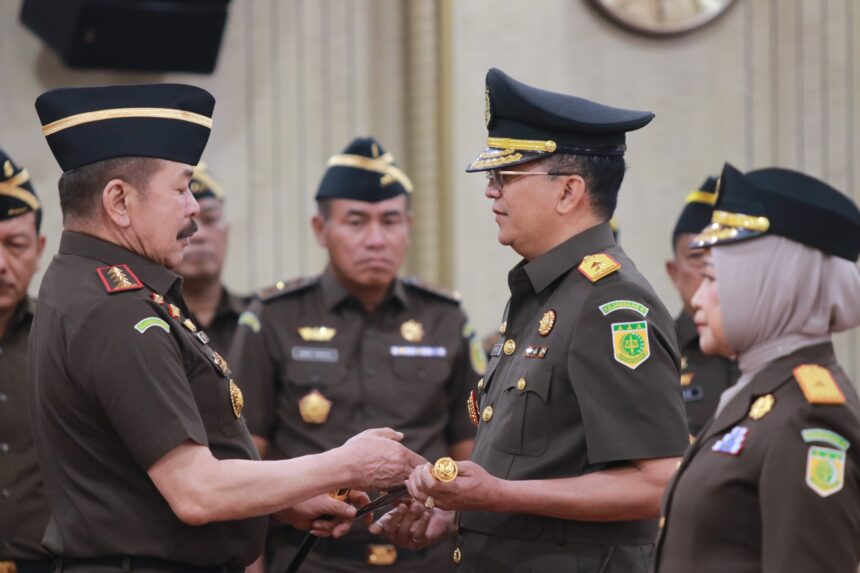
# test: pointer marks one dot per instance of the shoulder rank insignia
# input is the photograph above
(818, 385)
(595, 267)
(443, 293)
(281, 288)
(316, 333)
(412, 331)
(762, 406)
(118, 278)
(630, 343)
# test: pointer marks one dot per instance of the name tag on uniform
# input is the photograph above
(420, 351)
(497, 350)
(692, 393)
(314, 354)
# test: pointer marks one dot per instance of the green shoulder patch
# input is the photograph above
(152, 321)
(250, 320)
(614, 305)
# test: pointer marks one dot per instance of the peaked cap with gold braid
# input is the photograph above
(17, 196)
(697, 212)
(363, 172)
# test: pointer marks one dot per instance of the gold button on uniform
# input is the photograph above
(481, 384)
(488, 413)
(457, 555)
(510, 346)
(521, 384)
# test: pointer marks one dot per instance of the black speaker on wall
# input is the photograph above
(151, 35)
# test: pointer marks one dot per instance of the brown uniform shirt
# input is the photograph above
(745, 499)
(597, 389)
(24, 509)
(703, 377)
(226, 321)
(119, 380)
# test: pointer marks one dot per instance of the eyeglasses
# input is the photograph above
(496, 178)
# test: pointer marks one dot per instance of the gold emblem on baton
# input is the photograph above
(444, 470)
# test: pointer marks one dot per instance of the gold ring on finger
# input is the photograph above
(430, 503)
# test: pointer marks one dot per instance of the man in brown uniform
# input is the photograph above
(581, 422)
(138, 424)
(703, 377)
(212, 306)
(358, 347)
(23, 508)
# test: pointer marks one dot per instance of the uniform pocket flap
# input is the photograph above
(536, 380)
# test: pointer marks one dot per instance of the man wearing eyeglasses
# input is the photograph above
(581, 423)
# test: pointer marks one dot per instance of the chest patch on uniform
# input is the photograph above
(314, 408)
(595, 267)
(419, 351)
(762, 406)
(535, 351)
(412, 331)
(316, 333)
(546, 323)
(825, 470)
(250, 320)
(630, 343)
(614, 305)
(692, 393)
(732, 442)
(818, 385)
(118, 278)
(148, 323)
(314, 354)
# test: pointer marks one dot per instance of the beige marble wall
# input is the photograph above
(772, 83)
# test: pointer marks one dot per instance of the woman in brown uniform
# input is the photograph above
(772, 484)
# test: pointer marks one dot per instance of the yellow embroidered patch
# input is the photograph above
(595, 267)
(818, 385)
(630, 343)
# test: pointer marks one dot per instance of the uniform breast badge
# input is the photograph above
(412, 331)
(687, 378)
(472, 405)
(316, 333)
(174, 311)
(546, 323)
(762, 406)
(630, 343)
(236, 399)
(444, 470)
(732, 442)
(535, 351)
(487, 414)
(595, 267)
(818, 385)
(118, 278)
(314, 407)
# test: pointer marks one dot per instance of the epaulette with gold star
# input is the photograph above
(118, 278)
(597, 266)
(441, 292)
(282, 288)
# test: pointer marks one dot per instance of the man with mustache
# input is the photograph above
(213, 307)
(356, 347)
(23, 507)
(147, 461)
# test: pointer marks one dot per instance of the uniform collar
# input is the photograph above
(545, 269)
(687, 333)
(155, 276)
(22, 315)
(334, 294)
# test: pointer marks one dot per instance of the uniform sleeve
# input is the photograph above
(624, 370)
(469, 365)
(255, 369)
(126, 354)
(809, 496)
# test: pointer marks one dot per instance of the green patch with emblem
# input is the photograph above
(630, 343)
(476, 351)
(250, 320)
(614, 305)
(152, 321)
(825, 470)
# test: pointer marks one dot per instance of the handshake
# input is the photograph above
(375, 460)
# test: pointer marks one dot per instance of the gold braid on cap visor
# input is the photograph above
(124, 113)
(12, 188)
(727, 226)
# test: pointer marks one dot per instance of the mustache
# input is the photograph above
(188, 230)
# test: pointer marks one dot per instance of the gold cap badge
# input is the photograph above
(595, 267)
(316, 333)
(314, 408)
(818, 385)
(412, 330)
(762, 406)
(236, 399)
(445, 470)
(547, 322)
